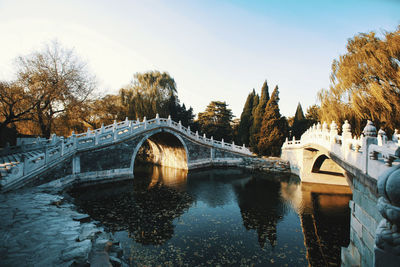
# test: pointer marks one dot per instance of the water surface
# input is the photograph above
(221, 217)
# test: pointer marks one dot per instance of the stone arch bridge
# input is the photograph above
(370, 165)
(110, 153)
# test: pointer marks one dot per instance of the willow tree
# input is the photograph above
(365, 82)
(148, 94)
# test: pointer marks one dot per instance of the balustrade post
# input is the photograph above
(126, 121)
(346, 135)
(180, 125)
(188, 129)
(197, 134)
(96, 137)
(169, 120)
(369, 138)
(114, 130)
(204, 136)
(130, 125)
(145, 122)
(212, 140)
(102, 128)
(222, 142)
(382, 137)
(395, 136)
(333, 132)
(53, 139)
(157, 118)
(74, 139)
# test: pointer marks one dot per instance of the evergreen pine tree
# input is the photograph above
(258, 115)
(273, 129)
(246, 120)
(216, 121)
(300, 124)
(299, 115)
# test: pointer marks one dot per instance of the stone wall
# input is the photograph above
(364, 220)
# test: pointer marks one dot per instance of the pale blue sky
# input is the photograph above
(215, 50)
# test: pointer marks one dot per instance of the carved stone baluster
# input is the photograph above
(387, 239)
(369, 138)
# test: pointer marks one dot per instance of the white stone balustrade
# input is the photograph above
(57, 148)
(371, 153)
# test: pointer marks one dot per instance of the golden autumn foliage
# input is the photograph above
(365, 83)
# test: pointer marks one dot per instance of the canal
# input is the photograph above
(214, 217)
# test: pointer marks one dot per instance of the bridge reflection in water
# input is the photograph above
(222, 216)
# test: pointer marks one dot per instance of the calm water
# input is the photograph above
(221, 217)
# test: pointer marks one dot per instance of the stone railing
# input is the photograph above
(57, 148)
(372, 152)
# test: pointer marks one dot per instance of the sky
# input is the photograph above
(215, 50)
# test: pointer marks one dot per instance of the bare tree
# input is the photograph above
(55, 80)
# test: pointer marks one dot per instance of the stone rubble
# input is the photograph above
(270, 164)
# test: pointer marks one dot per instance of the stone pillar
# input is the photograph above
(382, 137)
(387, 239)
(346, 135)
(369, 138)
(333, 132)
(222, 142)
(157, 118)
(115, 132)
(73, 136)
(96, 137)
(145, 122)
(197, 134)
(395, 136)
(180, 126)
(169, 120)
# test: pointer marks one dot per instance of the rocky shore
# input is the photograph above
(38, 228)
(271, 164)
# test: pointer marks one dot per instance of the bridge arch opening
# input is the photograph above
(324, 165)
(161, 148)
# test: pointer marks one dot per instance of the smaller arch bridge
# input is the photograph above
(322, 150)
(110, 153)
(370, 163)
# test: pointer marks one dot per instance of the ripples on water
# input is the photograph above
(167, 216)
